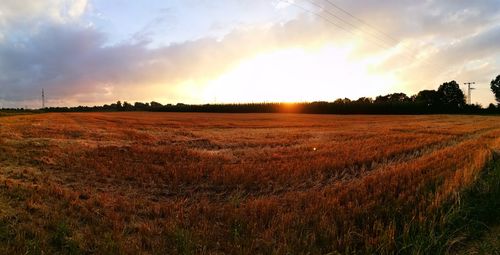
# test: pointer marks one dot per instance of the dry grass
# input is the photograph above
(220, 183)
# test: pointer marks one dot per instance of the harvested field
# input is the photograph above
(162, 183)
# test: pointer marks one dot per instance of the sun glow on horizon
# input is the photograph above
(296, 75)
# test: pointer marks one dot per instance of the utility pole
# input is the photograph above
(43, 99)
(469, 88)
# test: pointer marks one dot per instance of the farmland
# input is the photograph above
(157, 183)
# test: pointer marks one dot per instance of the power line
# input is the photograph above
(361, 21)
(316, 14)
(356, 27)
(387, 39)
(330, 21)
(411, 51)
(377, 43)
(407, 53)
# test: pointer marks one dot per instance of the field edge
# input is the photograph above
(458, 227)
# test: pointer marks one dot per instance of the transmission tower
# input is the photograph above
(43, 99)
(469, 89)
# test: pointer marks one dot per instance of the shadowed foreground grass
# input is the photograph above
(489, 244)
(482, 213)
(468, 226)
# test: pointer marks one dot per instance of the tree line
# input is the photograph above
(448, 98)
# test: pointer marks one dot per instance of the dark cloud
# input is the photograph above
(70, 60)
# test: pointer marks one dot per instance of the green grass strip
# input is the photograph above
(456, 224)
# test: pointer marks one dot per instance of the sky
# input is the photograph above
(92, 52)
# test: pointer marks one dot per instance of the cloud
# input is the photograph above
(46, 44)
(26, 11)
(438, 40)
(74, 61)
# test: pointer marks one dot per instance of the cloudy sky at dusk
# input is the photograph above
(87, 52)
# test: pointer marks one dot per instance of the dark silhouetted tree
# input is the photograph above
(155, 104)
(451, 95)
(364, 100)
(491, 108)
(342, 101)
(393, 98)
(399, 97)
(116, 106)
(381, 99)
(429, 98)
(495, 87)
(128, 106)
(141, 106)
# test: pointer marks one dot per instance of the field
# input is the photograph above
(168, 183)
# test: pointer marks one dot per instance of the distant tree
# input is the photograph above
(342, 101)
(155, 104)
(451, 95)
(472, 108)
(141, 106)
(346, 100)
(495, 88)
(393, 98)
(429, 98)
(413, 98)
(381, 99)
(491, 108)
(128, 106)
(400, 97)
(364, 100)
(116, 106)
